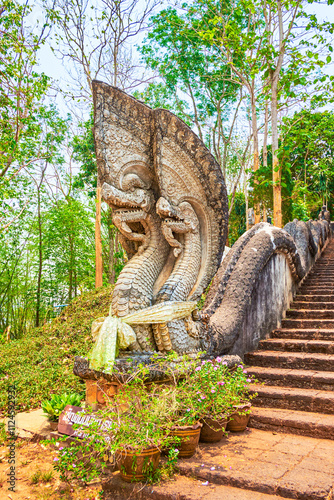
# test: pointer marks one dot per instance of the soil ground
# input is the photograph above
(34, 466)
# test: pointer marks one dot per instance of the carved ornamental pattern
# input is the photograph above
(169, 202)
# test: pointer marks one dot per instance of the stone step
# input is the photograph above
(308, 323)
(314, 298)
(316, 291)
(293, 360)
(191, 488)
(316, 425)
(312, 305)
(310, 314)
(318, 283)
(309, 379)
(294, 398)
(325, 289)
(324, 273)
(298, 345)
(296, 467)
(307, 334)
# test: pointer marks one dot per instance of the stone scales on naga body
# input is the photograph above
(169, 202)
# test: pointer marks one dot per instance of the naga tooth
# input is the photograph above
(125, 227)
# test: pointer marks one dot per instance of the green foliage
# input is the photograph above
(210, 390)
(307, 150)
(22, 88)
(3, 433)
(69, 249)
(141, 417)
(196, 80)
(262, 187)
(54, 406)
(237, 219)
(41, 363)
(84, 154)
(68, 261)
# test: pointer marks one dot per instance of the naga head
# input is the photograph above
(134, 193)
(166, 210)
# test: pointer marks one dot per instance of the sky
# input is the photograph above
(56, 68)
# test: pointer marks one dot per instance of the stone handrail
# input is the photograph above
(257, 281)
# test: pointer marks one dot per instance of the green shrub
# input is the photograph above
(41, 363)
(53, 407)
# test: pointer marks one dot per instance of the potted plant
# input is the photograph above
(181, 421)
(239, 389)
(140, 428)
(208, 397)
(52, 408)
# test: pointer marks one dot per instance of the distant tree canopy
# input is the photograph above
(306, 154)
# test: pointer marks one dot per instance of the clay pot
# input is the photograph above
(213, 430)
(239, 419)
(53, 425)
(135, 466)
(189, 435)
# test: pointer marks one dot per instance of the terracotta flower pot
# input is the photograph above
(239, 418)
(189, 435)
(53, 425)
(213, 430)
(135, 466)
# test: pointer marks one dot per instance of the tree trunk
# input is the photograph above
(265, 152)
(257, 212)
(40, 251)
(277, 172)
(98, 243)
(40, 259)
(246, 202)
(70, 272)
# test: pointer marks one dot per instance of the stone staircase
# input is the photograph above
(295, 367)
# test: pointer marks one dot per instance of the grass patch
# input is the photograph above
(3, 434)
(41, 363)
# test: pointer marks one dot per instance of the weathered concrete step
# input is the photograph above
(307, 334)
(298, 345)
(284, 377)
(293, 360)
(316, 425)
(310, 313)
(314, 298)
(312, 305)
(308, 323)
(294, 398)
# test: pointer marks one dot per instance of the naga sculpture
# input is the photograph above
(169, 202)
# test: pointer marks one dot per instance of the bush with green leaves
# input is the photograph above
(143, 414)
(54, 406)
(134, 420)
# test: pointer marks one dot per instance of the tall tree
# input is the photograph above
(95, 37)
(21, 90)
(195, 84)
